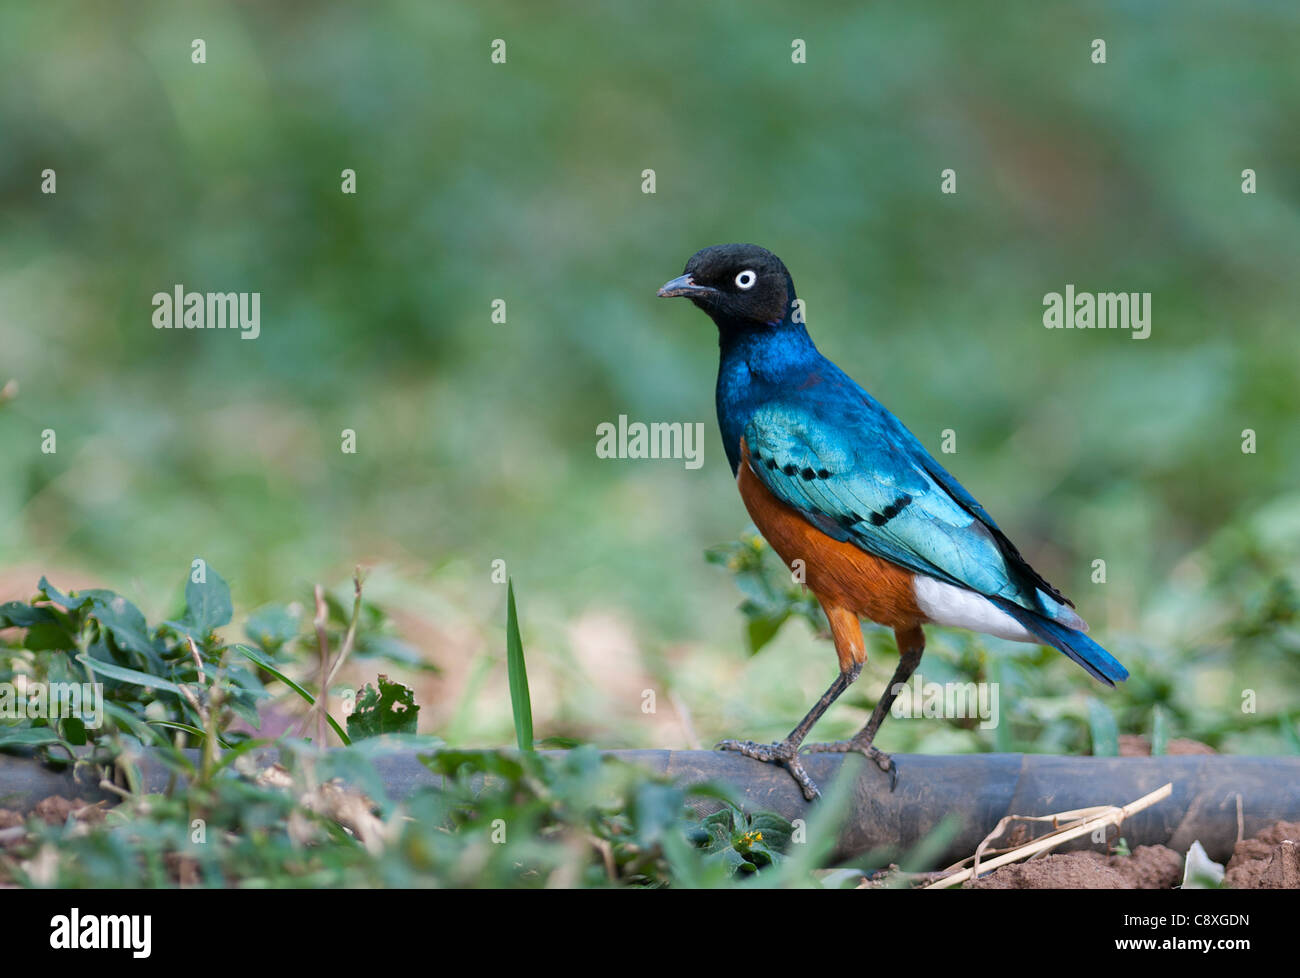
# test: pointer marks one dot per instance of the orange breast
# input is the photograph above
(839, 574)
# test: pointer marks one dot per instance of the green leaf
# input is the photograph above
(233, 752)
(1159, 731)
(45, 637)
(720, 554)
(189, 728)
(125, 675)
(243, 690)
(1105, 731)
(15, 614)
(655, 809)
(52, 593)
(136, 725)
(390, 709)
(730, 859)
(271, 627)
(207, 605)
(124, 621)
(510, 767)
(776, 830)
(724, 818)
(262, 661)
(520, 700)
(761, 628)
(395, 651)
(755, 585)
(558, 743)
(74, 731)
(27, 736)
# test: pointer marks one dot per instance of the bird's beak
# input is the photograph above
(683, 285)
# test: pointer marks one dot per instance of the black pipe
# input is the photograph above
(979, 789)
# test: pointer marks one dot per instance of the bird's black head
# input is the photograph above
(737, 285)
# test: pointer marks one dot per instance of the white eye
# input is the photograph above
(746, 279)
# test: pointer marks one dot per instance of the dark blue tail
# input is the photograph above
(1078, 646)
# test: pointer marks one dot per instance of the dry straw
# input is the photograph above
(1065, 826)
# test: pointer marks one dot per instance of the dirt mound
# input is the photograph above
(1136, 745)
(54, 810)
(1148, 868)
(1270, 861)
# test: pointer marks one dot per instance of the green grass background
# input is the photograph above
(522, 181)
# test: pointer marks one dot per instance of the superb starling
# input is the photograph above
(834, 481)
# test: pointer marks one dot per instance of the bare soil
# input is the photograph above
(1148, 868)
(1271, 860)
(1136, 745)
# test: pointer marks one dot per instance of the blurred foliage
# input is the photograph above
(628, 827)
(522, 181)
(536, 821)
(178, 677)
(1211, 673)
(97, 636)
(771, 599)
(236, 818)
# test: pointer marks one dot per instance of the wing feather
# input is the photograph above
(852, 480)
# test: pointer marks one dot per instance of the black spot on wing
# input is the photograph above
(1029, 578)
(890, 511)
(808, 473)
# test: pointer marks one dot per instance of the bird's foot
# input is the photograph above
(875, 754)
(784, 753)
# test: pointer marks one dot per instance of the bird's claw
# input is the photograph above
(870, 751)
(784, 753)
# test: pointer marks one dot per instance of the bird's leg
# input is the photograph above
(911, 643)
(786, 752)
(846, 630)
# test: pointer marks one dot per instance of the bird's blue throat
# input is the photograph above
(756, 363)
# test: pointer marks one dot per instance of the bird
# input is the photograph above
(831, 478)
